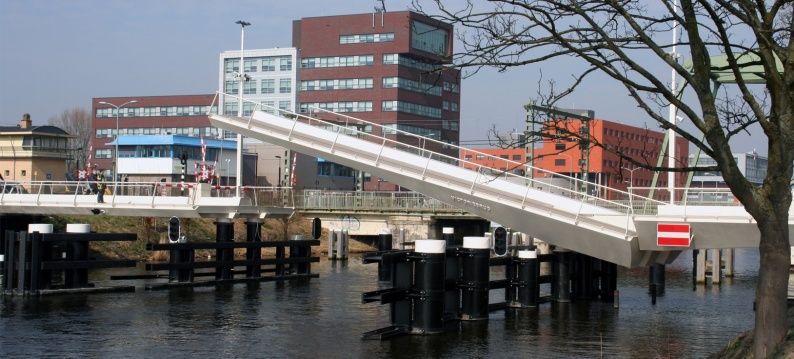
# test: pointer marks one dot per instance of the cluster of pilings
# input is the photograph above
(713, 263)
(185, 271)
(338, 244)
(38, 261)
(436, 283)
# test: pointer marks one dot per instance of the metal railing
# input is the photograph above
(384, 201)
(35, 192)
(541, 179)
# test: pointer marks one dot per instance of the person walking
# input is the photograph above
(100, 194)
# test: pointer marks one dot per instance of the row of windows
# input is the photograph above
(412, 108)
(421, 131)
(450, 106)
(186, 131)
(350, 106)
(411, 85)
(402, 60)
(366, 38)
(336, 84)
(257, 64)
(230, 108)
(156, 111)
(266, 86)
(45, 143)
(337, 61)
(632, 136)
(481, 156)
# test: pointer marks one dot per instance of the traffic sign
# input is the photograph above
(673, 235)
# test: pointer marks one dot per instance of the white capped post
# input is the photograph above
(239, 169)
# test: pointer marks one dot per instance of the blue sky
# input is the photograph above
(55, 55)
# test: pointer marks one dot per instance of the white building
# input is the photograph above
(272, 78)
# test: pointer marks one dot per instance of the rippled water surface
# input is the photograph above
(325, 318)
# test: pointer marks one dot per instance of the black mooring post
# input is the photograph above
(587, 291)
(695, 253)
(475, 278)
(186, 255)
(22, 262)
(10, 260)
(528, 268)
(656, 278)
(253, 233)
(448, 235)
(35, 261)
(173, 258)
(384, 244)
(428, 287)
(224, 232)
(279, 261)
(402, 278)
(562, 277)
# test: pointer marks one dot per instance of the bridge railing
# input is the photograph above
(383, 201)
(499, 168)
(693, 196)
(116, 191)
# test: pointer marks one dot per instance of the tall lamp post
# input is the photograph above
(116, 153)
(239, 172)
(631, 174)
(278, 179)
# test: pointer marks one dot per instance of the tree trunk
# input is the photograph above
(771, 293)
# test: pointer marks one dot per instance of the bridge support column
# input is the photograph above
(224, 232)
(253, 233)
(656, 279)
(561, 289)
(716, 266)
(333, 236)
(700, 266)
(728, 258)
(475, 279)
(428, 287)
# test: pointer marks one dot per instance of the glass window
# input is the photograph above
(364, 38)
(412, 108)
(516, 157)
(251, 65)
(230, 87)
(285, 85)
(285, 63)
(429, 38)
(559, 162)
(285, 105)
(268, 86)
(337, 61)
(231, 65)
(268, 64)
(249, 87)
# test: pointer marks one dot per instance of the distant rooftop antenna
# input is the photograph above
(379, 9)
(382, 7)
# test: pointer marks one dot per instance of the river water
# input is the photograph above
(325, 317)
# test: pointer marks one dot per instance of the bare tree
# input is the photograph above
(742, 42)
(77, 122)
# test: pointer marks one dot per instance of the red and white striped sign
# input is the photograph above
(673, 235)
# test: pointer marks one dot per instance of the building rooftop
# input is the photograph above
(137, 140)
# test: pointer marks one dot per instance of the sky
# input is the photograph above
(59, 54)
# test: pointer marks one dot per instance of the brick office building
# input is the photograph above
(386, 68)
(563, 155)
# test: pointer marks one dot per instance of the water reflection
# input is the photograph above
(325, 317)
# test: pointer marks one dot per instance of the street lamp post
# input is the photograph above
(116, 153)
(239, 171)
(631, 174)
(278, 159)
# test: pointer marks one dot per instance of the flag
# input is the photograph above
(293, 179)
(90, 157)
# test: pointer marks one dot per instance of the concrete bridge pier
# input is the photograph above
(224, 232)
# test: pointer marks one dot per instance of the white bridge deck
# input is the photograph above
(616, 226)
